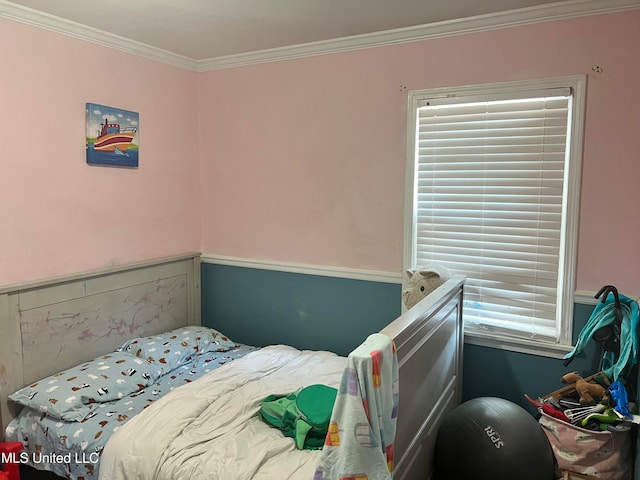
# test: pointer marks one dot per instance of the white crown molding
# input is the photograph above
(480, 23)
(63, 26)
(320, 270)
(524, 16)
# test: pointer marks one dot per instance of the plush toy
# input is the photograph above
(590, 393)
(422, 282)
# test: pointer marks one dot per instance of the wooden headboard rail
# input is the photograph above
(48, 326)
(429, 341)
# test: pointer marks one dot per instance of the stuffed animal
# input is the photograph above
(590, 393)
(422, 282)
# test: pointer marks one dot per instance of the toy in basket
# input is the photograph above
(588, 425)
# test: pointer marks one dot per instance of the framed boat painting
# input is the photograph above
(112, 136)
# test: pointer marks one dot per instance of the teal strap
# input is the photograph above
(603, 315)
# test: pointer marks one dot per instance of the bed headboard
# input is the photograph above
(429, 341)
(52, 325)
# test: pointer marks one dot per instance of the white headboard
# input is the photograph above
(48, 326)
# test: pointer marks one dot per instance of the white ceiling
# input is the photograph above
(208, 29)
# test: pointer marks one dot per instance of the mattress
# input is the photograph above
(72, 449)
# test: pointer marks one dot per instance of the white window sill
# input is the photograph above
(541, 348)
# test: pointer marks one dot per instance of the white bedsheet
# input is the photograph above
(210, 428)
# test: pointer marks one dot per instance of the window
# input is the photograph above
(493, 175)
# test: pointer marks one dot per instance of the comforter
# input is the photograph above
(211, 428)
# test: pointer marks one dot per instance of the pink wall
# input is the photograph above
(57, 214)
(300, 161)
(303, 160)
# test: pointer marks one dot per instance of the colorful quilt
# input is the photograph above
(72, 449)
(359, 444)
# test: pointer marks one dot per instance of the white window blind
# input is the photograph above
(490, 201)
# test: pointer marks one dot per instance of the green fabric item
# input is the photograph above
(303, 415)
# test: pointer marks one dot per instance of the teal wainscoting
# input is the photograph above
(509, 375)
(261, 307)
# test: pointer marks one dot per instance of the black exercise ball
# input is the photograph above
(492, 438)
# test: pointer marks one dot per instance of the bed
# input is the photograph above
(66, 323)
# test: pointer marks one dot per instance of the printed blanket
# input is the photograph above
(72, 450)
(359, 444)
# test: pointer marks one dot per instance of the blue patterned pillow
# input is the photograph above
(177, 347)
(72, 394)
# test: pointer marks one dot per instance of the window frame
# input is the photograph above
(569, 243)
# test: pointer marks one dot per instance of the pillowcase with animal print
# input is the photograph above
(173, 349)
(72, 394)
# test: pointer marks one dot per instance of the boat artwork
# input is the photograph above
(111, 136)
